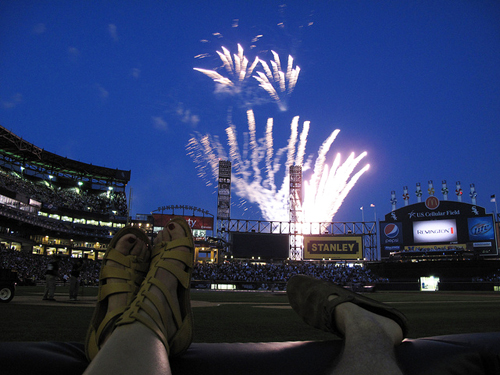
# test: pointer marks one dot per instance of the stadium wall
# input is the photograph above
(446, 270)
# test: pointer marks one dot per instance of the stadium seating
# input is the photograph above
(453, 354)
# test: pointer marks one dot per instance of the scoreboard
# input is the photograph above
(440, 224)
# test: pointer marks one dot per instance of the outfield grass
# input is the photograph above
(250, 316)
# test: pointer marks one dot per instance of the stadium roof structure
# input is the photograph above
(16, 151)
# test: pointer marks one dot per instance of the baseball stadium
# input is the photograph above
(54, 207)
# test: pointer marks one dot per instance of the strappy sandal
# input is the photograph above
(132, 275)
(155, 318)
(308, 296)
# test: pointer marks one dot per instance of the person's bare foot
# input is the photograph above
(351, 318)
(129, 244)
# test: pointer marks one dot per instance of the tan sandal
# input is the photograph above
(155, 318)
(308, 296)
(133, 275)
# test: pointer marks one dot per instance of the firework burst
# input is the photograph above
(237, 68)
(276, 83)
(257, 165)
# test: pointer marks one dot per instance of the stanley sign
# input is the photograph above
(324, 247)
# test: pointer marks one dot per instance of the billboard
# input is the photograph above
(481, 228)
(435, 231)
(334, 247)
(263, 245)
(195, 222)
(391, 236)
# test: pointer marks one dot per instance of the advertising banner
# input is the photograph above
(334, 247)
(195, 222)
(481, 228)
(391, 234)
(435, 231)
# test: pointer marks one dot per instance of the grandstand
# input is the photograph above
(52, 204)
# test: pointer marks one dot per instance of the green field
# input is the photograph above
(248, 316)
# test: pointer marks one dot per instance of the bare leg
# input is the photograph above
(134, 348)
(369, 342)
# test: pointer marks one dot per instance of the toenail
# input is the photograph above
(171, 226)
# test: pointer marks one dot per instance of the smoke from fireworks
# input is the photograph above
(324, 192)
(278, 84)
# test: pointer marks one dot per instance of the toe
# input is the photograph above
(175, 230)
(127, 243)
(162, 235)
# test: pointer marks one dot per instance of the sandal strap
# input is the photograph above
(161, 247)
(134, 271)
(108, 322)
(154, 315)
(132, 275)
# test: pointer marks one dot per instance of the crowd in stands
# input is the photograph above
(77, 199)
(281, 272)
(31, 269)
(439, 249)
(495, 277)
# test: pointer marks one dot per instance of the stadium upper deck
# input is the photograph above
(49, 203)
(18, 154)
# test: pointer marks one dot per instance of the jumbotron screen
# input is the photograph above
(435, 231)
(263, 245)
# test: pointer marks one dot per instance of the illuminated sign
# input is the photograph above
(335, 247)
(432, 203)
(391, 233)
(199, 234)
(435, 231)
(195, 222)
(481, 228)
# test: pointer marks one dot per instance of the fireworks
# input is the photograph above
(278, 84)
(236, 67)
(324, 192)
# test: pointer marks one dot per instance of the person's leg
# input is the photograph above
(134, 348)
(370, 329)
(131, 349)
(46, 288)
(73, 287)
(369, 342)
(50, 287)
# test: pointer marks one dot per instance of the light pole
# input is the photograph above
(374, 212)
(376, 230)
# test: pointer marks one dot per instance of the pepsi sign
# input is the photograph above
(391, 233)
(391, 230)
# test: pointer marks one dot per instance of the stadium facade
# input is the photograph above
(50, 204)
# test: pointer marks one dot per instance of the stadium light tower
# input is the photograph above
(296, 217)
(224, 200)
